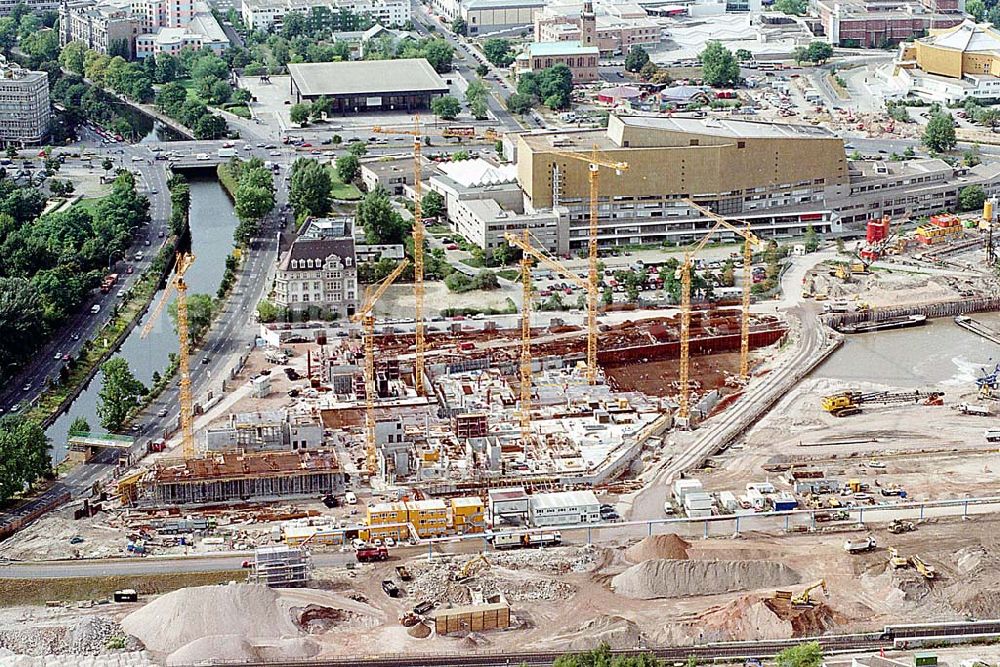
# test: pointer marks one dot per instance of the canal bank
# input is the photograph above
(212, 222)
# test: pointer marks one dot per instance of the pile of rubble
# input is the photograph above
(557, 560)
(91, 635)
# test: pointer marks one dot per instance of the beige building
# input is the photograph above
(619, 26)
(950, 65)
(99, 25)
(485, 16)
(777, 177)
(319, 270)
(24, 105)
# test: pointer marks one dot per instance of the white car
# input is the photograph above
(358, 544)
(58, 356)
(389, 543)
(201, 156)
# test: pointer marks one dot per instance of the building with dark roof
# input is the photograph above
(318, 273)
(368, 85)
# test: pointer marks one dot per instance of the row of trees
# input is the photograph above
(24, 453)
(311, 188)
(438, 52)
(210, 75)
(804, 655)
(254, 195)
(49, 263)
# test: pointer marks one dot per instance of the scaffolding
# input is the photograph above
(280, 565)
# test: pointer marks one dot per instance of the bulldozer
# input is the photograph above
(895, 560)
(897, 526)
(804, 599)
(923, 568)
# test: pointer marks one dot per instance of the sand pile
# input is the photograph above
(749, 617)
(191, 614)
(616, 631)
(419, 631)
(658, 547)
(236, 649)
(671, 578)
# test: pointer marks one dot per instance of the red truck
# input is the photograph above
(372, 554)
(108, 282)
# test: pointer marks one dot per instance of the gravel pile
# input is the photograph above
(87, 636)
(658, 547)
(514, 575)
(679, 578)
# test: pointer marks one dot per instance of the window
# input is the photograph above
(294, 263)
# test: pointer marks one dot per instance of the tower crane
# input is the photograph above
(367, 319)
(750, 240)
(527, 253)
(183, 263)
(594, 164)
(418, 251)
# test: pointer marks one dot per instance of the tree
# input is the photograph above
(71, 56)
(299, 113)
(993, 15)
(23, 453)
(939, 134)
(171, 98)
(804, 655)
(310, 188)
(200, 310)
(819, 52)
(439, 54)
(636, 59)
(519, 103)
(718, 65)
(811, 239)
(743, 55)
(348, 167)
(446, 107)
(357, 148)
(648, 71)
(432, 205)
(475, 98)
(976, 9)
(791, 7)
(459, 26)
(382, 224)
(119, 392)
(323, 105)
(989, 118)
(482, 70)
(971, 198)
(79, 425)
(210, 126)
(21, 318)
(497, 51)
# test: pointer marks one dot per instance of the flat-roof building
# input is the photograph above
(565, 508)
(367, 85)
(24, 104)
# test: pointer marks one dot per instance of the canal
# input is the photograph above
(212, 224)
(938, 355)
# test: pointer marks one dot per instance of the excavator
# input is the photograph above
(923, 568)
(804, 599)
(846, 403)
(470, 565)
(895, 560)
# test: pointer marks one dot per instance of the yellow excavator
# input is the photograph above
(470, 565)
(895, 560)
(804, 599)
(923, 568)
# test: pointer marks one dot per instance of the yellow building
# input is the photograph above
(387, 520)
(428, 517)
(468, 515)
(967, 49)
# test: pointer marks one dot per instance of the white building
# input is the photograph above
(265, 14)
(564, 508)
(484, 201)
(24, 105)
(319, 270)
(508, 506)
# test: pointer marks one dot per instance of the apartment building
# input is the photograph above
(319, 270)
(268, 14)
(877, 23)
(102, 27)
(619, 26)
(428, 517)
(24, 105)
(6, 6)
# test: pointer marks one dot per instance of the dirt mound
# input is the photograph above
(748, 617)
(672, 578)
(419, 631)
(980, 599)
(616, 631)
(806, 621)
(657, 547)
(317, 619)
(229, 648)
(190, 614)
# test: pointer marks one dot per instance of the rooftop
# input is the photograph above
(503, 4)
(722, 127)
(233, 465)
(568, 48)
(477, 172)
(318, 250)
(968, 37)
(366, 77)
(563, 499)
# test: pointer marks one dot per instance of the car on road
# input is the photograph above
(162, 412)
(271, 147)
(147, 242)
(130, 269)
(136, 158)
(139, 256)
(16, 407)
(58, 356)
(26, 387)
(96, 308)
(390, 588)
(314, 152)
(65, 357)
(160, 234)
(451, 246)
(154, 192)
(206, 360)
(75, 336)
(201, 156)
(261, 145)
(275, 153)
(248, 148)
(306, 144)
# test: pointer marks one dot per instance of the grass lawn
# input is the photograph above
(189, 87)
(240, 110)
(439, 230)
(342, 190)
(15, 592)
(474, 262)
(509, 274)
(88, 204)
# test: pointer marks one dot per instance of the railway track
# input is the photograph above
(890, 638)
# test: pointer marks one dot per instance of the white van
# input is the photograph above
(96, 308)
(350, 498)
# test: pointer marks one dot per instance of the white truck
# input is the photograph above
(227, 152)
(859, 546)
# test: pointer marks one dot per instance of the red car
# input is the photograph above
(451, 246)
(306, 145)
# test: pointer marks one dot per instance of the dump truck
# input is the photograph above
(898, 526)
(371, 554)
(846, 403)
(403, 573)
(859, 546)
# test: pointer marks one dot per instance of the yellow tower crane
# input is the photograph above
(184, 261)
(418, 250)
(367, 319)
(594, 164)
(528, 252)
(750, 240)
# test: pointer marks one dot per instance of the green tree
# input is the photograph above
(971, 198)
(459, 26)
(79, 425)
(268, 312)
(819, 52)
(310, 188)
(299, 113)
(348, 167)
(439, 54)
(607, 297)
(989, 118)
(791, 7)
(976, 9)
(743, 55)
(120, 391)
(210, 126)
(322, 105)
(811, 239)
(939, 135)
(357, 148)
(719, 66)
(446, 107)
(432, 204)
(519, 103)
(804, 655)
(475, 98)
(200, 310)
(497, 50)
(71, 56)
(382, 224)
(482, 70)
(23, 453)
(840, 245)
(636, 59)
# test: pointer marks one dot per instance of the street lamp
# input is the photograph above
(111, 255)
